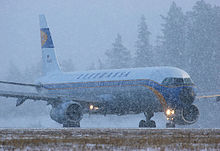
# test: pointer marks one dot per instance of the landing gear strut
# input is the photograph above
(148, 123)
(170, 125)
(71, 124)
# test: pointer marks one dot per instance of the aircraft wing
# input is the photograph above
(51, 99)
(209, 95)
(21, 84)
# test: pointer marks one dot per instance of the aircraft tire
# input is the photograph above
(170, 125)
(71, 124)
(149, 124)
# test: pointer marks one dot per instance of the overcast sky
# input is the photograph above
(81, 30)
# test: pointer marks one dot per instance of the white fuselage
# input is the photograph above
(135, 89)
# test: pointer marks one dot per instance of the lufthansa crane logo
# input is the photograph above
(46, 41)
(43, 36)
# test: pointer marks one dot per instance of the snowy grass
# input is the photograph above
(110, 139)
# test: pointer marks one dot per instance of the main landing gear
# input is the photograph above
(71, 124)
(148, 123)
(170, 125)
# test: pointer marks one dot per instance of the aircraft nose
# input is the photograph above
(187, 95)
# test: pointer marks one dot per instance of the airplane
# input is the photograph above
(115, 91)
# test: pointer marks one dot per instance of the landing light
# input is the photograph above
(92, 107)
(169, 112)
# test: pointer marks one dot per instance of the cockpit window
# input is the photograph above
(177, 81)
(188, 81)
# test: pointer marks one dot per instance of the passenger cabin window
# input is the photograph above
(177, 81)
(101, 75)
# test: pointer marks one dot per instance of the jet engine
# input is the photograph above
(66, 112)
(187, 115)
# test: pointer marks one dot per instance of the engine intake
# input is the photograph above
(74, 112)
(187, 115)
(66, 111)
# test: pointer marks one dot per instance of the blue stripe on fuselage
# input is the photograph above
(170, 94)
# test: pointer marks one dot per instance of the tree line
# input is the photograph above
(189, 40)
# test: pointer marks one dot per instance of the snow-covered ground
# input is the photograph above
(109, 139)
(209, 118)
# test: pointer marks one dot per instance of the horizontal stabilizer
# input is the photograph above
(20, 101)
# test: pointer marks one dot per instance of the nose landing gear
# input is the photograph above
(170, 114)
(71, 124)
(148, 123)
(170, 125)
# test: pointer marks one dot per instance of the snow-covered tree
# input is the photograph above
(157, 52)
(91, 66)
(143, 55)
(67, 65)
(31, 73)
(100, 64)
(174, 36)
(14, 74)
(118, 56)
(203, 44)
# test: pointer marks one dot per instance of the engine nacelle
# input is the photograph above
(187, 115)
(66, 111)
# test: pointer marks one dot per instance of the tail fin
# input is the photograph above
(49, 59)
